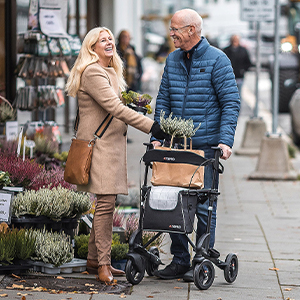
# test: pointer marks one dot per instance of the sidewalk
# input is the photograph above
(257, 220)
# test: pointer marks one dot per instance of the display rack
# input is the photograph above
(42, 61)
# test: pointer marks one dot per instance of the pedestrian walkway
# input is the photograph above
(257, 220)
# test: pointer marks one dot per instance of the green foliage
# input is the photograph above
(81, 245)
(44, 144)
(118, 250)
(25, 244)
(61, 156)
(292, 151)
(177, 127)
(8, 245)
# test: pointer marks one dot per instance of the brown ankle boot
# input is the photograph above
(104, 274)
(92, 266)
(116, 272)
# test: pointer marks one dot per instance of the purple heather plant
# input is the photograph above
(118, 218)
(50, 179)
(22, 173)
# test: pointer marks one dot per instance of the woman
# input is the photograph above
(97, 80)
(132, 63)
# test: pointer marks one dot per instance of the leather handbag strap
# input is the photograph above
(102, 127)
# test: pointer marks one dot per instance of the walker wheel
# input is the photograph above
(133, 275)
(231, 269)
(150, 266)
(204, 274)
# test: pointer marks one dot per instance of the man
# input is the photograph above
(240, 60)
(198, 82)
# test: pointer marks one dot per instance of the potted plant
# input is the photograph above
(58, 208)
(118, 223)
(7, 113)
(138, 102)
(177, 128)
(4, 179)
(52, 249)
(118, 253)
(16, 247)
(118, 250)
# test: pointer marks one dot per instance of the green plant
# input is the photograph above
(81, 245)
(25, 244)
(291, 151)
(52, 247)
(8, 245)
(44, 144)
(118, 250)
(177, 127)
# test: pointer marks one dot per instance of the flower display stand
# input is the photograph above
(76, 265)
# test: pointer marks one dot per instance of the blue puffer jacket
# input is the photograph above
(208, 94)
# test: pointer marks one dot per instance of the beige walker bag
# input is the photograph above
(181, 175)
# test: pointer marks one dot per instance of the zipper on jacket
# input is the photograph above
(186, 91)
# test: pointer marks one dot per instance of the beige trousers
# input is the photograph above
(99, 247)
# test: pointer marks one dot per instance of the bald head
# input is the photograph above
(191, 17)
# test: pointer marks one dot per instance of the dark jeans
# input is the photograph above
(180, 246)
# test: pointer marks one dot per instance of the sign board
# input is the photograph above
(11, 130)
(5, 203)
(258, 10)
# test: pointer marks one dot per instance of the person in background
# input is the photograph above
(198, 83)
(240, 60)
(132, 62)
(97, 81)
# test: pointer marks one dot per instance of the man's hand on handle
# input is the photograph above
(226, 151)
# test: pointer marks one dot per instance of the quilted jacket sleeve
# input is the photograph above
(224, 83)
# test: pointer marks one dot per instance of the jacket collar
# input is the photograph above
(199, 50)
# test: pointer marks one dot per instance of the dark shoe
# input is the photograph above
(189, 275)
(92, 268)
(172, 271)
(104, 274)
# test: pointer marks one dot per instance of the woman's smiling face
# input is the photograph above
(104, 48)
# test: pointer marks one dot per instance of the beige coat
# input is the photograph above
(98, 96)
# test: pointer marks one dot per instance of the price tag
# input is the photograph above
(5, 209)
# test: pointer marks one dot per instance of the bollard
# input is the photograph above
(254, 132)
(273, 160)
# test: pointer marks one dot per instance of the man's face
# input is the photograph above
(179, 34)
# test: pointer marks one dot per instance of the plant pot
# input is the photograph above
(29, 221)
(69, 226)
(119, 264)
(139, 109)
(17, 267)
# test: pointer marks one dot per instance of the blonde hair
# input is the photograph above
(87, 56)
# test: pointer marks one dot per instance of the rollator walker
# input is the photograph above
(139, 259)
